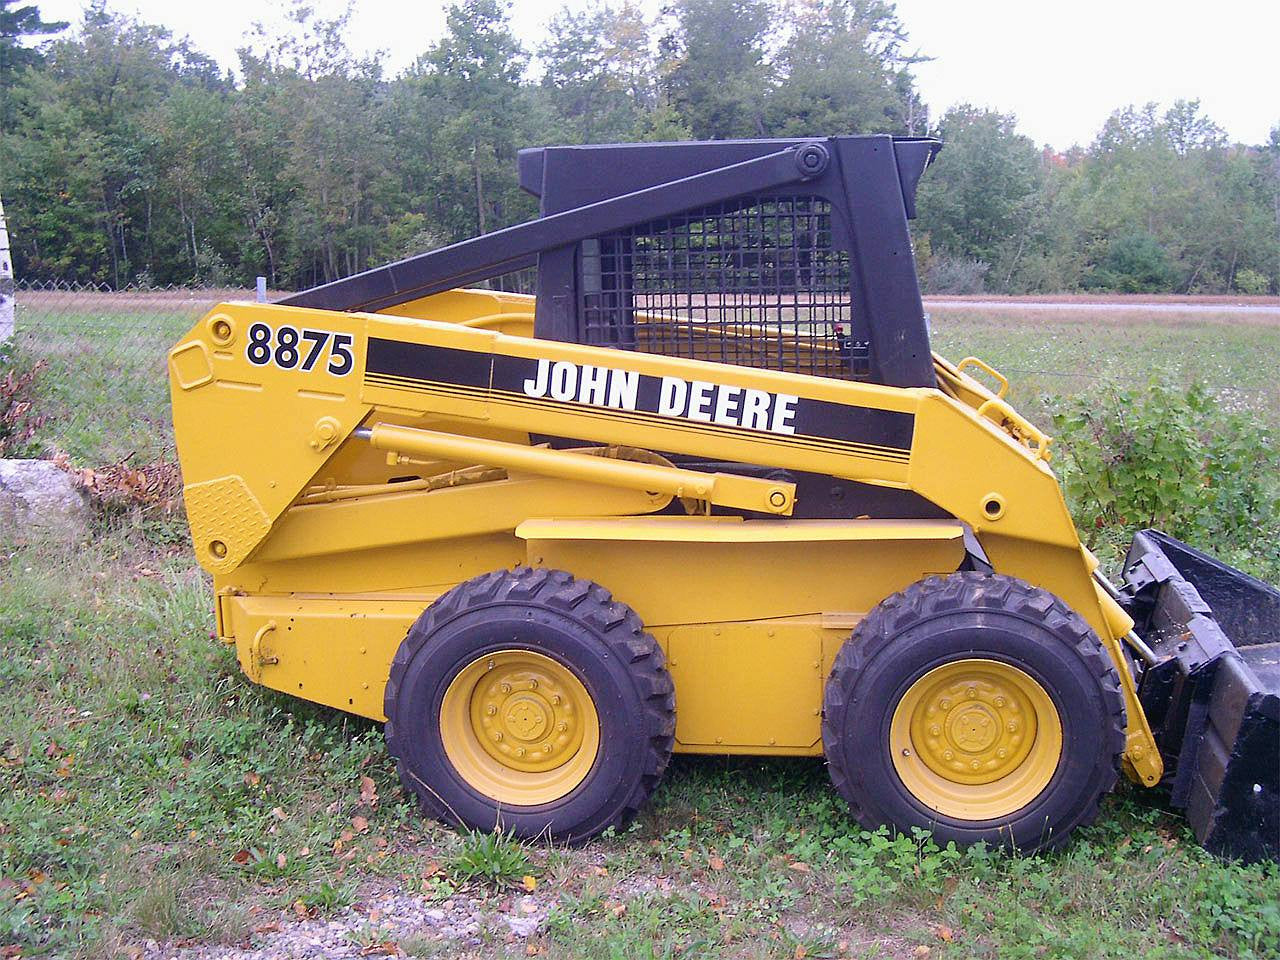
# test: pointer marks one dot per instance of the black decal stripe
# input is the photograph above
(643, 418)
(817, 444)
(821, 421)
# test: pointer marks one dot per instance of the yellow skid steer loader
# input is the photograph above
(709, 491)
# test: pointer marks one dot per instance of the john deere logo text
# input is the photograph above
(690, 399)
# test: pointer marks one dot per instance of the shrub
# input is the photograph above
(955, 275)
(1133, 264)
(1252, 283)
(18, 419)
(1175, 460)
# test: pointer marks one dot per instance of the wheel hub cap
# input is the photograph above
(973, 726)
(525, 714)
(519, 727)
(975, 739)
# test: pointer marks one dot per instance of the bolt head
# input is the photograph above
(520, 751)
(1000, 701)
(491, 710)
(935, 730)
(505, 688)
(945, 704)
(948, 755)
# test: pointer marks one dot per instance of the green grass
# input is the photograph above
(104, 386)
(1074, 354)
(150, 791)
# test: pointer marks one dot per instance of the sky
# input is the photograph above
(1060, 67)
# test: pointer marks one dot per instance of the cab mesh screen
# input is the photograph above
(756, 281)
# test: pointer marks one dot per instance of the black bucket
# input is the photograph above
(1213, 694)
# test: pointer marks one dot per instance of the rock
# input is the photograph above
(39, 502)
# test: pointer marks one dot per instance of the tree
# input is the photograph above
(16, 25)
(980, 200)
(713, 66)
(469, 83)
(599, 73)
(845, 71)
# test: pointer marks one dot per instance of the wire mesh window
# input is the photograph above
(756, 281)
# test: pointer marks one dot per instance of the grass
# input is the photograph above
(147, 790)
(1073, 354)
(151, 791)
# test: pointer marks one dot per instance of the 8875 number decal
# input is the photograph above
(290, 348)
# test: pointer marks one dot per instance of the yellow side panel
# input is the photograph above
(752, 686)
(327, 651)
(674, 583)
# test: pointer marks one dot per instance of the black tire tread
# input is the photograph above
(936, 595)
(615, 623)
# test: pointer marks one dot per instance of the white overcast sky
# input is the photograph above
(1060, 67)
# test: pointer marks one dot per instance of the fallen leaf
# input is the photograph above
(281, 860)
(944, 933)
(529, 883)
(267, 928)
(617, 909)
(368, 791)
(922, 951)
(360, 823)
(278, 813)
(251, 779)
(715, 863)
(801, 952)
(389, 949)
(799, 867)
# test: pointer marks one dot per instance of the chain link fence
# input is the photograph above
(101, 386)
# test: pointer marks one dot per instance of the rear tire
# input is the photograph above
(978, 707)
(530, 701)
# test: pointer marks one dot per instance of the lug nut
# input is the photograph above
(505, 688)
(491, 709)
(555, 701)
(498, 736)
(520, 751)
(945, 704)
(935, 730)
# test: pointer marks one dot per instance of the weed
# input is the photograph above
(497, 859)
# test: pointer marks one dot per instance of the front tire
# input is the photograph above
(530, 701)
(978, 707)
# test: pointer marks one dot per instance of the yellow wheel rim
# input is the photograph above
(519, 727)
(975, 739)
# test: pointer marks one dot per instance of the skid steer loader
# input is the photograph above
(709, 491)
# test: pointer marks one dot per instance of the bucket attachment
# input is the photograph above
(1212, 693)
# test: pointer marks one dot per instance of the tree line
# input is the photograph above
(129, 156)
